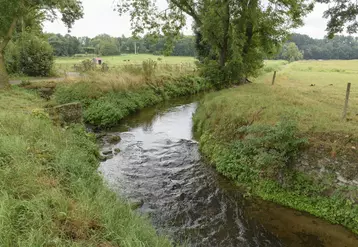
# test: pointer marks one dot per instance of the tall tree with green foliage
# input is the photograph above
(13, 11)
(291, 53)
(239, 33)
(341, 14)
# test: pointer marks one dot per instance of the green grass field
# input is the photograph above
(313, 92)
(115, 61)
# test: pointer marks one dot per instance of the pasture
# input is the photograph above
(67, 63)
(311, 93)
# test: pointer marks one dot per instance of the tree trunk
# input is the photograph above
(4, 78)
(223, 55)
(224, 49)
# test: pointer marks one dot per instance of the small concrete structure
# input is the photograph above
(67, 114)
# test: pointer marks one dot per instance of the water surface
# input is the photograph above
(160, 168)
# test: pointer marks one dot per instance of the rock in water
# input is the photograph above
(107, 152)
(67, 114)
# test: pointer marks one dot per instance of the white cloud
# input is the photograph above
(100, 18)
(314, 23)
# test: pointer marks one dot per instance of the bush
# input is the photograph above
(29, 55)
(87, 65)
(36, 55)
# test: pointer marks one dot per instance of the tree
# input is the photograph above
(12, 11)
(291, 53)
(239, 33)
(339, 47)
(341, 14)
(108, 48)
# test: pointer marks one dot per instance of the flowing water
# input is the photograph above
(160, 168)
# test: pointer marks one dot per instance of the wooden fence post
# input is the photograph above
(274, 78)
(346, 102)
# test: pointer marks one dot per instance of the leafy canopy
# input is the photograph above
(235, 35)
(341, 14)
(12, 10)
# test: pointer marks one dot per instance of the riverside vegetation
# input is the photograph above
(108, 97)
(51, 192)
(264, 133)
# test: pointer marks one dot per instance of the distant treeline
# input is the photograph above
(340, 47)
(106, 45)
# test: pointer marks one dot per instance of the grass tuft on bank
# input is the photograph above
(254, 133)
(106, 103)
(50, 191)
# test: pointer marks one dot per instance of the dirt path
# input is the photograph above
(68, 75)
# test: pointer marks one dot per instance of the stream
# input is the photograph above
(159, 167)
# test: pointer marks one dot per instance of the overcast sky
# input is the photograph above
(100, 18)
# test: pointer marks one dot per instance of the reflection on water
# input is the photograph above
(160, 166)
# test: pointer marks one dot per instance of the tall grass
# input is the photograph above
(108, 97)
(50, 191)
(107, 102)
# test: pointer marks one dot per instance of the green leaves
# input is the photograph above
(341, 14)
(291, 53)
(233, 37)
(30, 55)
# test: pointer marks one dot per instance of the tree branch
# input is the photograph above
(184, 6)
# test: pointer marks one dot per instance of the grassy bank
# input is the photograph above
(265, 131)
(50, 190)
(108, 99)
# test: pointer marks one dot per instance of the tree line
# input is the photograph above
(340, 47)
(105, 45)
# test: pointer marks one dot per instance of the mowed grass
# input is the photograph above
(67, 63)
(50, 191)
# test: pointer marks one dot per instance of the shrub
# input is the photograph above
(36, 55)
(87, 65)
